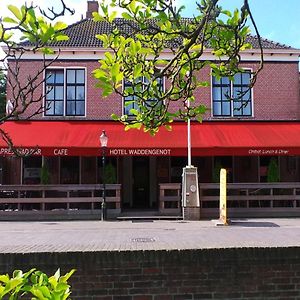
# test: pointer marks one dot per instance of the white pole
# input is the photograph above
(189, 139)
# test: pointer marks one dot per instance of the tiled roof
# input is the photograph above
(82, 34)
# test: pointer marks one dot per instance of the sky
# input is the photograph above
(277, 20)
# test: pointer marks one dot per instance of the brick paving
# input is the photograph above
(28, 237)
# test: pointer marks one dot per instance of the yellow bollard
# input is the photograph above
(223, 198)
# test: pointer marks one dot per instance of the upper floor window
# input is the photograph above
(129, 101)
(65, 92)
(232, 98)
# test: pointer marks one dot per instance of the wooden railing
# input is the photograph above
(252, 199)
(59, 199)
(243, 199)
(170, 198)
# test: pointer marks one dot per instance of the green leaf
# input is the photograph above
(106, 90)
(115, 69)
(4, 278)
(236, 16)
(109, 57)
(162, 16)
(114, 117)
(133, 126)
(17, 274)
(62, 37)
(45, 291)
(227, 13)
(120, 76)
(60, 26)
(9, 20)
(203, 84)
(168, 127)
(112, 16)
(15, 11)
(14, 282)
(137, 70)
(132, 5)
(134, 111)
(97, 17)
(66, 277)
(129, 103)
(37, 293)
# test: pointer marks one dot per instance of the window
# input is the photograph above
(69, 170)
(32, 170)
(65, 92)
(129, 100)
(224, 89)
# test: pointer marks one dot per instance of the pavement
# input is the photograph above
(74, 236)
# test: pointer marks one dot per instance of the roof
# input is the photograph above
(82, 35)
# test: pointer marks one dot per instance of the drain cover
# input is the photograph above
(143, 240)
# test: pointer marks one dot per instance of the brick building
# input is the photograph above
(67, 135)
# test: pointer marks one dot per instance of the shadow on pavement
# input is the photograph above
(253, 224)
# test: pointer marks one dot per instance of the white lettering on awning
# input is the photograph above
(140, 152)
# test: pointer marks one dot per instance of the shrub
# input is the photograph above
(273, 171)
(35, 284)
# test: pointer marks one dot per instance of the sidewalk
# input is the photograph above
(26, 237)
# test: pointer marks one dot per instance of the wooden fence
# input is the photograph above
(252, 199)
(170, 198)
(58, 200)
(243, 199)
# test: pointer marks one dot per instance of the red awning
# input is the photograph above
(81, 138)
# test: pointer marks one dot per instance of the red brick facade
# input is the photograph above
(275, 94)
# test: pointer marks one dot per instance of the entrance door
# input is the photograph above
(141, 186)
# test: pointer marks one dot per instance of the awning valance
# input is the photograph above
(81, 138)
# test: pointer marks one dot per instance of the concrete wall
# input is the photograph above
(254, 273)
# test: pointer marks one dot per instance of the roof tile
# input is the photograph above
(82, 35)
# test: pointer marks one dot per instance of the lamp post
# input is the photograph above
(103, 142)
(190, 188)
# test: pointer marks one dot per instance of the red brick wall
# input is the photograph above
(275, 95)
(240, 273)
(97, 106)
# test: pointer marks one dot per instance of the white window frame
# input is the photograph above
(65, 86)
(231, 105)
(123, 98)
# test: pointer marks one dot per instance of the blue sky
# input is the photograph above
(277, 20)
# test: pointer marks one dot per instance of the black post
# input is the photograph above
(103, 205)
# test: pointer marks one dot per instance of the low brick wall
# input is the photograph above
(255, 273)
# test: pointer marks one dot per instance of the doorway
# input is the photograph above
(141, 182)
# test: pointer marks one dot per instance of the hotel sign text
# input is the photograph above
(139, 152)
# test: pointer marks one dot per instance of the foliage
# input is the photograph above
(273, 171)
(110, 175)
(35, 284)
(45, 176)
(27, 30)
(154, 42)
